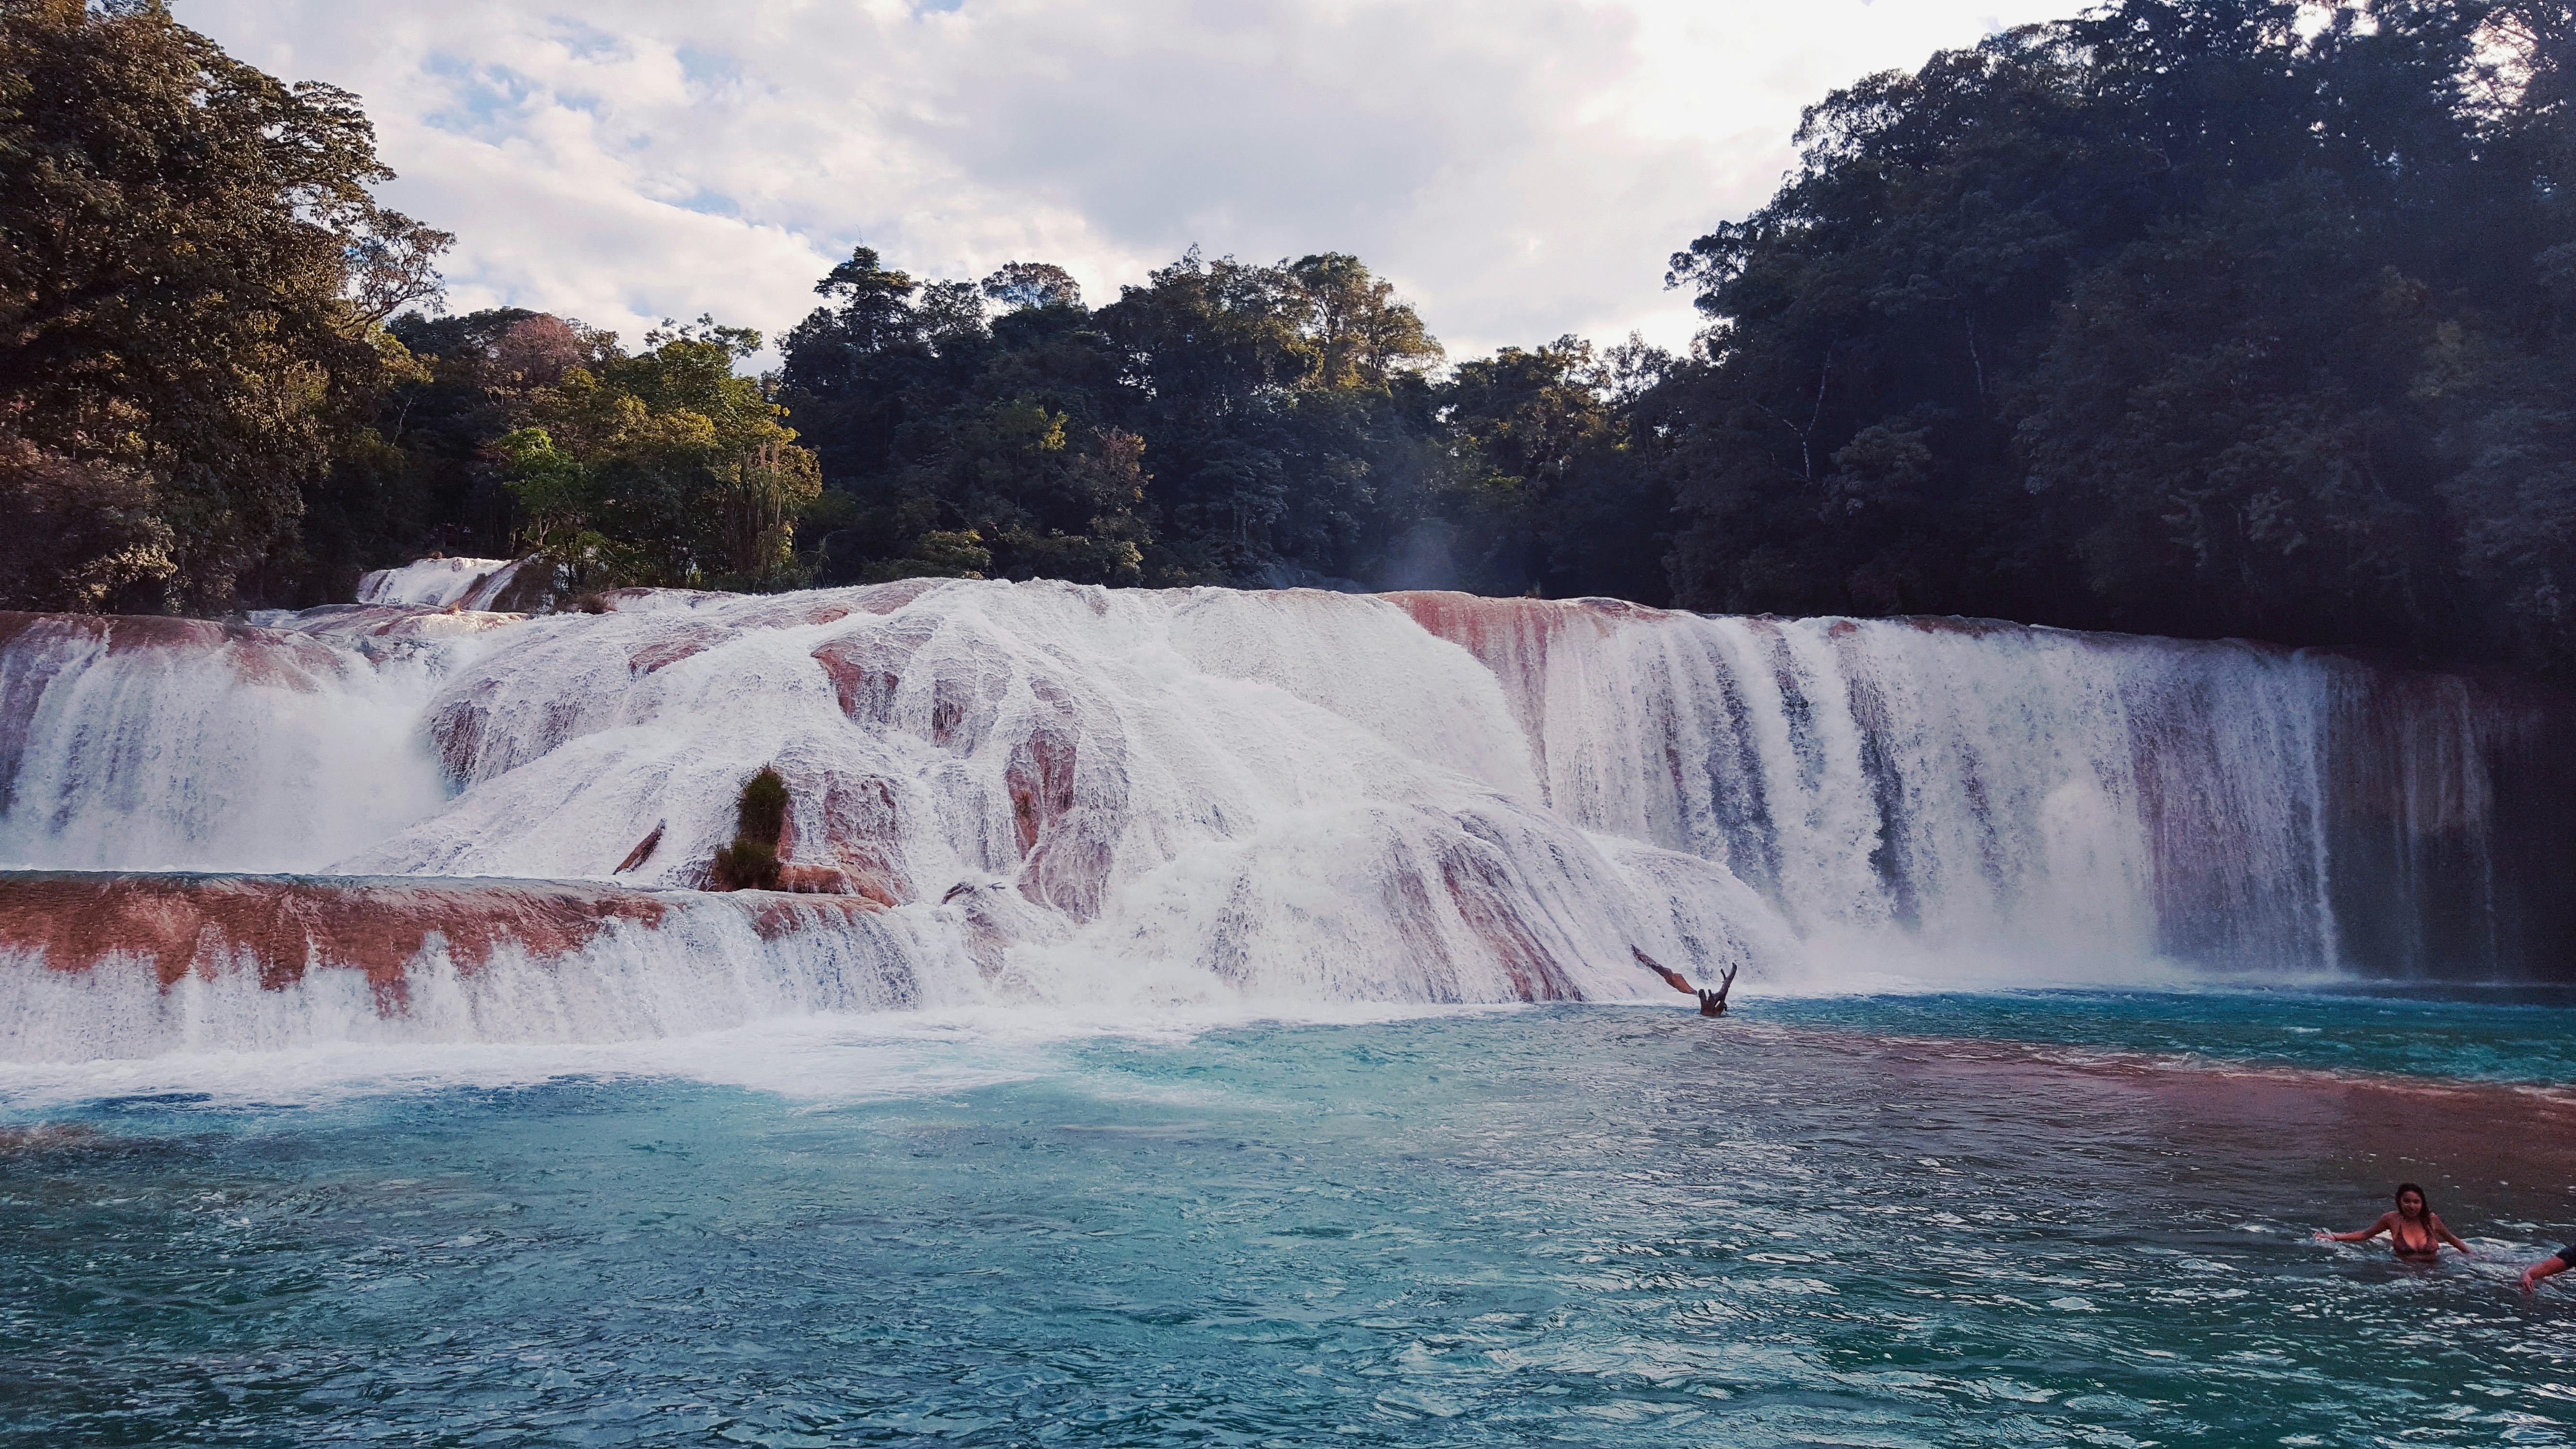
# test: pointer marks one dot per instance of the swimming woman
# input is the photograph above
(2414, 1229)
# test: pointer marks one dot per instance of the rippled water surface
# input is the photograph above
(2025, 1219)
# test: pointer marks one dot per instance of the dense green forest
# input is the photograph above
(2200, 317)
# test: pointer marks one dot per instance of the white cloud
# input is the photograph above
(1520, 168)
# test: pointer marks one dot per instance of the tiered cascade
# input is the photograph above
(1054, 794)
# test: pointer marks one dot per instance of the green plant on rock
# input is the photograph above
(760, 821)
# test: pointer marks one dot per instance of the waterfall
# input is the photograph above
(1049, 793)
(469, 583)
(158, 744)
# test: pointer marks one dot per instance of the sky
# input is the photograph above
(1520, 169)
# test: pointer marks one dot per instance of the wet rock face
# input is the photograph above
(43, 645)
(123, 965)
(2234, 804)
(858, 849)
(392, 621)
(277, 928)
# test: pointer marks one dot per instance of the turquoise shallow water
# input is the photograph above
(2026, 1219)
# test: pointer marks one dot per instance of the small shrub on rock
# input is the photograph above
(760, 821)
(746, 865)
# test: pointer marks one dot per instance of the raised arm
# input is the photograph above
(1672, 978)
(2364, 1236)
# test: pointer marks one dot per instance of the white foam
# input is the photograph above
(818, 1057)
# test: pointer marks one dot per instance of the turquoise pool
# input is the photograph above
(2033, 1218)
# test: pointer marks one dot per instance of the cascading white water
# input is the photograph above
(704, 965)
(1077, 795)
(439, 583)
(162, 744)
(1965, 785)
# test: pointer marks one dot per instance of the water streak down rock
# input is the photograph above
(1043, 792)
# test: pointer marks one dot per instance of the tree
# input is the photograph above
(2187, 316)
(1559, 482)
(664, 467)
(393, 264)
(1286, 412)
(1894, 284)
(81, 533)
(179, 236)
(966, 443)
(1019, 286)
(2223, 417)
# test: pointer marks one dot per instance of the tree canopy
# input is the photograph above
(2187, 316)
(2199, 317)
(191, 264)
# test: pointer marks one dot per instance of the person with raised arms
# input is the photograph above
(1711, 1003)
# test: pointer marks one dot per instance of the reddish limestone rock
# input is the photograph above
(1040, 777)
(861, 840)
(281, 927)
(643, 850)
(775, 917)
(1067, 837)
(812, 880)
(470, 750)
(523, 587)
(457, 730)
(867, 667)
(1480, 886)
(39, 650)
(795, 611)
(796, 878)
(633, 600)
(397, 621)
(886, 598)
(1481, 890)
(1514, 638)
(607, 601)
(681, 641)
(1511, 637)
(275, 657)
(14, 622)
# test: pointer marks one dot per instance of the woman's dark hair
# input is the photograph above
(2399, 1197)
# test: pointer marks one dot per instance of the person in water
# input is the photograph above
(1711, 1003)
(2414, 1229)
(2549, 1267)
